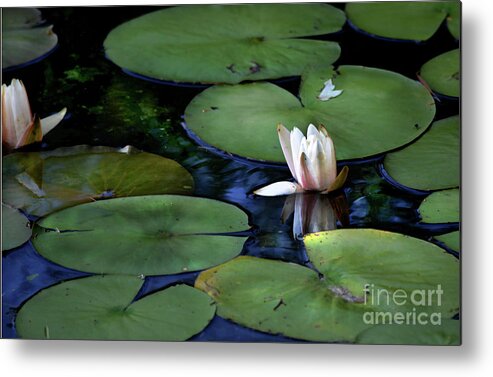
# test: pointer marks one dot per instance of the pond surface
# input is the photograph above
(109, 107)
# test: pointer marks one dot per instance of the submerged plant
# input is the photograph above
(19, 126)
(311, 160)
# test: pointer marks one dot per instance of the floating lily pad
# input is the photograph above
(378, 111)
(23, 39)
(103, 307)
(42, 182)
(453, 19)
(441, 207)
(445, 334)
(15, 228)
(410, 20)
(225, 43)
(148, 235)
(292, 300)
(432, 162)
(451, 240)
(442, 73)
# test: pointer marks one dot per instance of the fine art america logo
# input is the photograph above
(421, 300)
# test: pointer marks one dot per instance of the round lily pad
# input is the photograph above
(24, 40)
(225, 43)
(430, 163)
(451, 240)
(441, 207)
(103, 307)
(148, 235)
(442, 73)
(43, 182)
(409, 20)
(377, 111)
(351, 258)
(15, 228)
(447, 333)
(292, 300)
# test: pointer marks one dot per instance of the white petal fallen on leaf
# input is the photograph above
(278, 188)
(328, 91)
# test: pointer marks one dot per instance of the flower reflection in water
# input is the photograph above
(315, 212)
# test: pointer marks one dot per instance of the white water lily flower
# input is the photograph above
(311, 160)
(19, 126)
(328, 91)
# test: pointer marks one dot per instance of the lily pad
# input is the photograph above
(451, 240)
(441, 207)
(43, 182)
(432, 162)
(103, 307)
(148, 235)
(225, 43)
(445, 334)
(442, 73)
(378, 111)
(410, 20)
(292, 300)
(24, 40)
(15, 228)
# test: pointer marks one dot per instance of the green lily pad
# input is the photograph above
(43, 182)
(432, 162)
(292, 300)
(103, 307)
(15, 228)
(441, 207)
(445, 334)
(442, 73)
(378, 111)
(451, 240)
(410, 20)
(23, 39)
(225, 43)
(148, 235)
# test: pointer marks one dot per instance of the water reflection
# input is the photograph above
(315, 212)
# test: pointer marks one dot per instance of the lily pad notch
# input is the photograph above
(377, 111)
(409, 20)
(236, 42)
(103, 308)
(143, 235)
(293, 300)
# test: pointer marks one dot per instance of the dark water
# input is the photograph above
(109, 107)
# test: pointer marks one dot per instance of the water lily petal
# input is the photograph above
(331, 162)
(20, 112)
(328, 91)
(285, 140)
(32, 134)
(50, 122)
(16, 113)
(278, 189)
(339, 181)
(296, 138)
(307, 180)
(312, 130)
